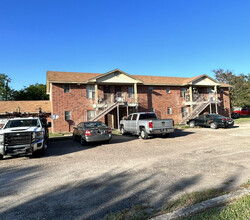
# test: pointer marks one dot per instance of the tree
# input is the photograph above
(5, 90)
(33, 92)
(240, 91)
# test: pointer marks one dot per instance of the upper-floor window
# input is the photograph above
(150, 88)
(183, 91)
(90, 91)
(67, 115)
(66, 88)
(131, 92)
(168, 89)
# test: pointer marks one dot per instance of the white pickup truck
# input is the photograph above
(28, 135)
(146, 124)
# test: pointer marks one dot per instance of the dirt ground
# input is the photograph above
(76, 182)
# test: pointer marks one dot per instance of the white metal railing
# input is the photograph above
(199, 97)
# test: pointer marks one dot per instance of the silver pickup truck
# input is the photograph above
(146, 124)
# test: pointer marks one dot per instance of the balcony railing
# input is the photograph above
(199, 97)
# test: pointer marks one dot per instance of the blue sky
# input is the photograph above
(182, 38)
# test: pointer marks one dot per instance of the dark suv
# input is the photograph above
(211, 120)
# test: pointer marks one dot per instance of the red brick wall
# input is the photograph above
(158, 99)
(74, 101)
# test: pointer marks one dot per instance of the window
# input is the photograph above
(150, 88)
(131, 92)
(134, 117)
(66, 88)
(67, 115)
(168, 89)
(169, 111)
(90, 115)
(183, 92)
(184, 111)
(147, 116)
(221, 90)
(90, 91)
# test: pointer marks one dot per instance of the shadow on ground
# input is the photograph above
(91, 198)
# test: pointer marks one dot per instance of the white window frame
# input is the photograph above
(90, 114)
(168, 90)
(169, 110)
(90, 91)
(183, 91)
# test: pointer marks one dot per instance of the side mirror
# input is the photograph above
(75, 128)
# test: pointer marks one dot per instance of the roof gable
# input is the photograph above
(203, 80)
(115, 76)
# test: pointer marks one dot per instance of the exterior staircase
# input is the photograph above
(199, 106)
(196, 111)
(105, 110)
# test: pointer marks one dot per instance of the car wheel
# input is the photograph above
(144, 134)
(1, 156)
(213, 125)
(192, 124)
(82, 141)
(122, 130)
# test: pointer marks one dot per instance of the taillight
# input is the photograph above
(173, 123)
(87, 133)
(150, 124)
(109, 131)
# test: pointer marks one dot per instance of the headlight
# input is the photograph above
(1, 138)
(38, 135)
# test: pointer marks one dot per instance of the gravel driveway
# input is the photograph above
(75, 182)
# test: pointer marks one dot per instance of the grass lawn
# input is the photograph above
(239, 209)
(51, 135)
(242, 119)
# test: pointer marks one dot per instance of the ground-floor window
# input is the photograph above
(90, 115)
(184, 111)
(169, 111)
(67, 115)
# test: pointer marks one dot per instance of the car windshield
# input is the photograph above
(22, 123)
(147, 116)
(94, 125)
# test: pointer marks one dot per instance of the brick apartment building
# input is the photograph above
(77, 97)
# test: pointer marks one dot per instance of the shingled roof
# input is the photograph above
(78, 77)
(24, 106)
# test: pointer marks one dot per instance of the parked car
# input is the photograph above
(242, 111)
(93, 131)
(146, 124)
(213, 121)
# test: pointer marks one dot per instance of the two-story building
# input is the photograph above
(108, 97)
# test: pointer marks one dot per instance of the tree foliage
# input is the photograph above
(240, 91)
(33, 92)
(5, 90)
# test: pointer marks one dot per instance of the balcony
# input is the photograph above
(123, 98)
(199, 98)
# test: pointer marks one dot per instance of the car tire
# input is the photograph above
(192, 124)
(122, 130)
(214, 125)
(82, 141)
(143, 134)
(1, 157)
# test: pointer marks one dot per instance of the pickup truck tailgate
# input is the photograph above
(161, 124)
